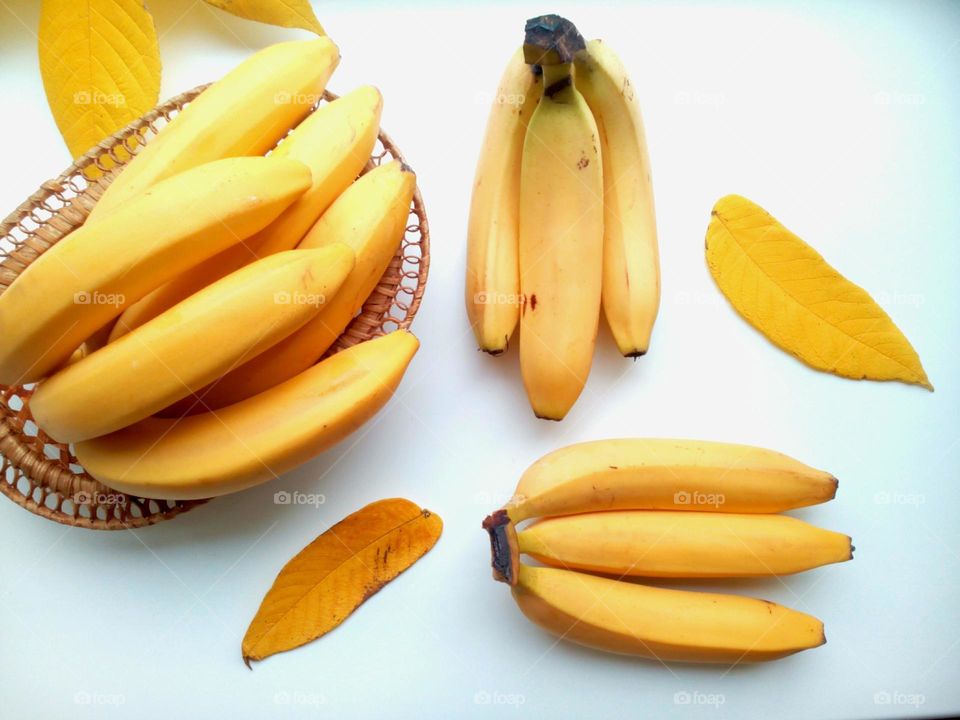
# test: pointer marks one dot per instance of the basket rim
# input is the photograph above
(48, 474)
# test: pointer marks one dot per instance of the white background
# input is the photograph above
(843, 120)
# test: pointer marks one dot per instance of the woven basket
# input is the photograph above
(44, 476)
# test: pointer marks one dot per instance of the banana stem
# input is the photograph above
(504, 548)
(551, 40)
(558, 82)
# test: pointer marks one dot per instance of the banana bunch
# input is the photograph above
(562, 218)
(176, 337)
(664, 509)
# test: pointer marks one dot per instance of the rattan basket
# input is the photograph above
(44, 476)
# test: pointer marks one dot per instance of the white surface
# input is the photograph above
(842, 121)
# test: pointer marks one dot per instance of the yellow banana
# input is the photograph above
(648, 474)
(651, 543)
(188, 346)
(370, 217)
(335, 142)
(255, 440)
(631, 261)
(493, 275)
(662, 624)
(89, 277)
(244, 113)
(561, 235)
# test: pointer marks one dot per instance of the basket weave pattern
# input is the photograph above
(43, 475)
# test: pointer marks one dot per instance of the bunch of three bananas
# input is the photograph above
(562, 215)
(664, 509)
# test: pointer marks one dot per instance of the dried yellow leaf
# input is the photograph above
(100, 65)
(785, 289)
(285, 13)
(327, 580)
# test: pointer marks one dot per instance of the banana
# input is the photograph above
(493, 275)
(662, 624)
(244, 113)
(255, 440)
(631, 261)
(651, 543)
(370, 217)
(89, 277)
(189, 345)
(647, 474)
(335, 142)
(561, 230)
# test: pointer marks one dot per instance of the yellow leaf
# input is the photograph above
(100, 65)
(785, 289)
(285, 13)
(327, 580)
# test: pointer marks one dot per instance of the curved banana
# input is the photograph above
(651, 543)
(255, 440)
(190, 345)
(561, 239)
(370, 217)
(493, 275)
(654, 474)
(662, 624)
(334, 142)
(244, 113)
(631, 259)
(89, 277)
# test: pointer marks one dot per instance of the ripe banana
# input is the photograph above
(255, 440)
(335, 142)
(244, 113)
(646, 474)
(370, 218)
(561, 235)
(631, 262)
(662, 624)
(493, 275)
(89, 277)
(651, 543)
(190, 345)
